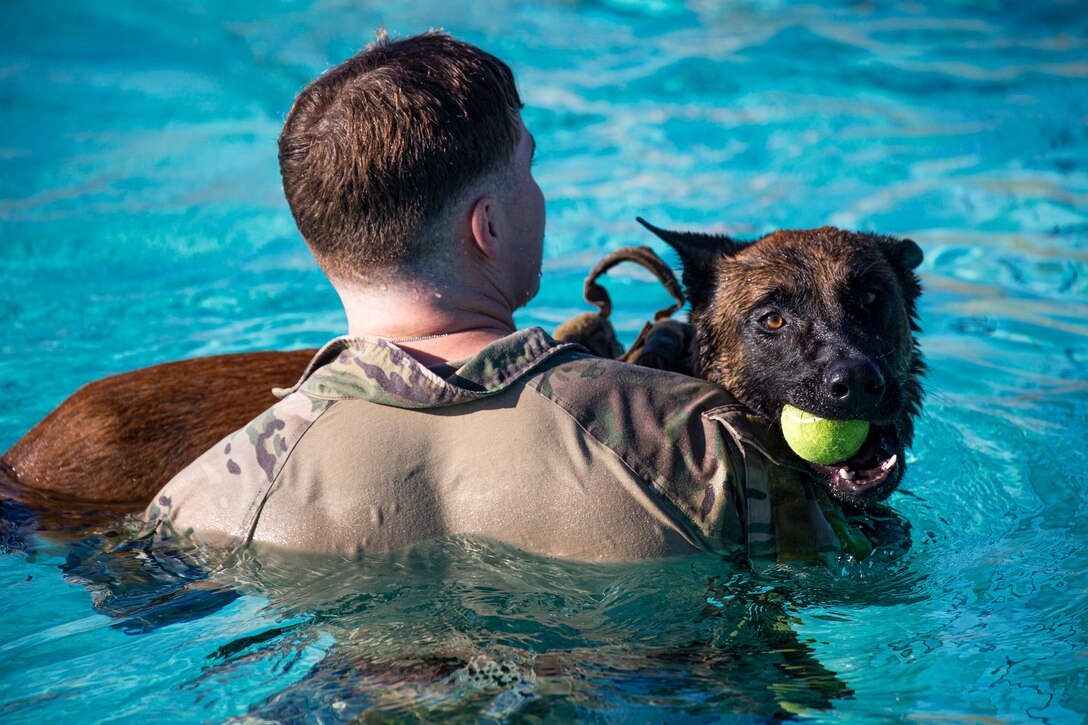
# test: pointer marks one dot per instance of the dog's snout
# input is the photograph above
(854, 385)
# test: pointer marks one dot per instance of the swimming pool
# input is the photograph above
(141, 221)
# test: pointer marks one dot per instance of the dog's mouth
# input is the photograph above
(871, 473)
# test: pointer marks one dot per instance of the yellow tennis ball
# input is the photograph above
(819, 440)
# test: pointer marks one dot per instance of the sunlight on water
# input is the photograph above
(141, 220)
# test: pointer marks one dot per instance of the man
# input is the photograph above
(408, 171)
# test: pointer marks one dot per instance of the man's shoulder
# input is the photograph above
(581, 380)
(664, 426)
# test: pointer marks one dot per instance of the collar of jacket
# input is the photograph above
(375, 369)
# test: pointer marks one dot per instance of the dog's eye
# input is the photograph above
(773, 321)
(867, 297)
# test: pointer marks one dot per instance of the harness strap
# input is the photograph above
(597, 295)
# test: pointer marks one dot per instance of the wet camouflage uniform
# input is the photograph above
(532, 442)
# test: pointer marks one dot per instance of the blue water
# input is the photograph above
(141, 220)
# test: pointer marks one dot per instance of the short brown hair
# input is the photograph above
(375, 149)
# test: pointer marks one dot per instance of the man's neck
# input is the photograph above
(433, 325)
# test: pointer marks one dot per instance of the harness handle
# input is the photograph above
(597, 295)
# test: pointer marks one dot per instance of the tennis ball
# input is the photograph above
(819, 440)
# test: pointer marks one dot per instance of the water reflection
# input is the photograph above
(461, 627)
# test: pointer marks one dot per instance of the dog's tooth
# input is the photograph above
(890, 463)
(846, 473)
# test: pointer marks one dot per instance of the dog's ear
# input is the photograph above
(905, 253)
(905, 256)
(698, 253)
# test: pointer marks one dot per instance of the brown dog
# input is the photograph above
(118, 440)
(820, 319)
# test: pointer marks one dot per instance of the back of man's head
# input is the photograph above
(375, 150)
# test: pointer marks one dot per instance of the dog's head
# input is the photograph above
(821, 319)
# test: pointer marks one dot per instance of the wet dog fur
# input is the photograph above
(118, 440)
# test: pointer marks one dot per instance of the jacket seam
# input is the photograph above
(248, 526)
(690, 529)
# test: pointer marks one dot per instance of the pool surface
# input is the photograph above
(141, 221)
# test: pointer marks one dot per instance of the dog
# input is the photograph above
(821, 319)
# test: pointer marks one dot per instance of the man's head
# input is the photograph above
(376, 152)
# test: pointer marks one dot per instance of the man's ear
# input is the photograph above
(699, 255)
(485, 230)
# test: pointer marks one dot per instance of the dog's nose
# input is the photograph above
(854, 384)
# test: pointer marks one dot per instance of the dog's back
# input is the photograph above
(119, 439)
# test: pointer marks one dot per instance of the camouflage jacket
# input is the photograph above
(532, 442)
